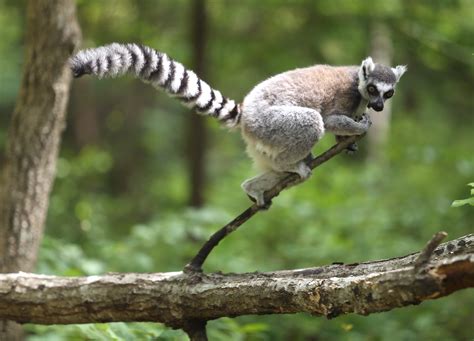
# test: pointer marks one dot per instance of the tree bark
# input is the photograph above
(85, 121)
(197, 132)
(178, 299)
(34, 136)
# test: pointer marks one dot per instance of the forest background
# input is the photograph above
(141, 184)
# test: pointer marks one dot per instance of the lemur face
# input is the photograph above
(377, 82)
(378, 92)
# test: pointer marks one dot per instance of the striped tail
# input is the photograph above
(162, 72)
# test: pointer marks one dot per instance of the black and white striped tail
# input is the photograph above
(159, 70)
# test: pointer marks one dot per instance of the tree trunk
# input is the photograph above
(85, 123)
(197, 132)
(34, 136)
(381, 51)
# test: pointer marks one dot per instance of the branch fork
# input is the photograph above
(195, 265)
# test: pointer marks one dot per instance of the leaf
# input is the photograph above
(458, 203)
(254, 328)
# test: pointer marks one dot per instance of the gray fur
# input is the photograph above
(281, 119)
(284, 116)
(383, 74)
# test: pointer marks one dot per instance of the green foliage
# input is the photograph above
(119, 202)
(468, 201)
(10, 52)
(104, 332)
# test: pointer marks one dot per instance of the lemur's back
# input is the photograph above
(314, 87)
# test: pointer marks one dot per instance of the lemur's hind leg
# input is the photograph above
(291, 132)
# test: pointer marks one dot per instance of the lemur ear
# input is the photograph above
(399, 71)
(366, 68)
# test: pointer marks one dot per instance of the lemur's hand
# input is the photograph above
(364, 120)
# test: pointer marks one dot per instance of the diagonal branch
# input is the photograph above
(195, 265)
(183, 300)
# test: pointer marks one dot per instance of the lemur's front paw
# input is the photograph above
(365, 120)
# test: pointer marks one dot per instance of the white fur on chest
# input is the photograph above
(362, 108)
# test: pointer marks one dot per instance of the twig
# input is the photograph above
(427, 251)
(195, 265)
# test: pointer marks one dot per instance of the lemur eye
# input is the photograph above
(388, 94)
(371, 89)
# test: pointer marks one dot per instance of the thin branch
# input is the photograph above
(178, 299)
(426, 253)
(195, 265)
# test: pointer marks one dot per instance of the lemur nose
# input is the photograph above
(378, 106)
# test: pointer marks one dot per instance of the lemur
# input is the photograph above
(280, 119)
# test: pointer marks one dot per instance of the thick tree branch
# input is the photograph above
(195, 265)
(178, 299)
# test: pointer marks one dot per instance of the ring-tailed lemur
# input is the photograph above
(280, 119)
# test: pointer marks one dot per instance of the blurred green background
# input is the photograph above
(121, 201)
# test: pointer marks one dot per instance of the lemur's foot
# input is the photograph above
(262, 204)
(303, 170)
(308, 159)
(256, 195)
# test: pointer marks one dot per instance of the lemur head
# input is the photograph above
(377, 82)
